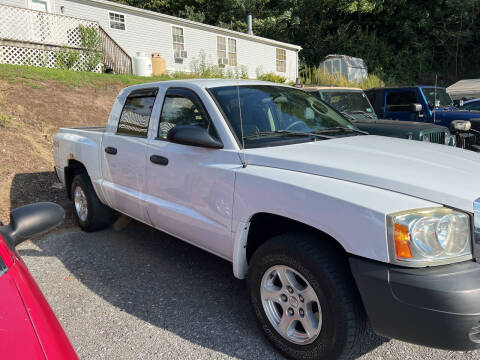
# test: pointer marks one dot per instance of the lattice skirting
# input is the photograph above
(37, 56)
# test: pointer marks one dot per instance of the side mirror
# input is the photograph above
(416, 108)
(31, 220)
(193, 136)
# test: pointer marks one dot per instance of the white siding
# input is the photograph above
(148, 33)
(17, 3)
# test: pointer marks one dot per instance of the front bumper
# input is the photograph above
(468, 140)
(437, 306)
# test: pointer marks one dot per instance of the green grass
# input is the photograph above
(35, 76)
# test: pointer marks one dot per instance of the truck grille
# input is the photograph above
(437, 137)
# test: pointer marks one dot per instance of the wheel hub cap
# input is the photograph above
(291, 304)
(81, 205)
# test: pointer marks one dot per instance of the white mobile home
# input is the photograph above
(180, 42)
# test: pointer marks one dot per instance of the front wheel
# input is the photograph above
(304, 298)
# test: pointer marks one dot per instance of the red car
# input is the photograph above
(29, 329)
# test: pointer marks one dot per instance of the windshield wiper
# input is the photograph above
(341, 128)
(362, 112)
(347, 115)
(286, 132)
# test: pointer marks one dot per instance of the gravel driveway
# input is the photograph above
(141, 294)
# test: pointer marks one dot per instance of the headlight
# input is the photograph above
(460, 125)
(427, 236)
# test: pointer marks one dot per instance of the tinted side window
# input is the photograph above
(136, 113)
(475, 105)
(181, 107)
(401, 100)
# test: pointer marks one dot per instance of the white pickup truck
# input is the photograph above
(333, 227)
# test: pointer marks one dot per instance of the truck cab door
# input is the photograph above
(190, 188)
(123, 155)
(399, 103)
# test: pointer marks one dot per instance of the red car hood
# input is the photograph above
(29, 329)
(18, 339)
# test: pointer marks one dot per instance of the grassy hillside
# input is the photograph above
(34, 103)
(36, 77)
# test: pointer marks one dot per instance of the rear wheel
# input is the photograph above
(91, 214)
(305, 299)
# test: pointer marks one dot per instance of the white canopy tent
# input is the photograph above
(469, 89)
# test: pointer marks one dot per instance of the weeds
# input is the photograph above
(272, 77)
(66, 58)
(5, 120)
(313, 75)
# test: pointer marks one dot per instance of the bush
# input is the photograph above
(66, 58)
(200, 68)
(272, 77)
(92, 45)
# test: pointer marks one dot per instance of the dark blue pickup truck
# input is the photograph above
(429, 105)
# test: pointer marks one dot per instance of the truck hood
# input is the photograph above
(436, 173)
(397, 128)
(455, 114)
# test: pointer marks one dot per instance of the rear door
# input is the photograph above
(190, 191)
(398, 105)
(123, 163)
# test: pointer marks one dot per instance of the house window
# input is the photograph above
(222, 50)
(117, 21)
(232, 52)
(281, 60)
(178, 44)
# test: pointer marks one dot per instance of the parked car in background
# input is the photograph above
(331, 226)
(471, 105)
(28, 326)
(427, 104)
(354, 104)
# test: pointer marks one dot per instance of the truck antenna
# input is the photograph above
(435, 101)
(244, 160)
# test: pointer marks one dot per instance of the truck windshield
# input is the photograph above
(443, 98)
(272, 112)
(349, 102)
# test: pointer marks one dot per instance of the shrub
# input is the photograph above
(272, 77)
(200, 68)
(66, 58)
(92, 45)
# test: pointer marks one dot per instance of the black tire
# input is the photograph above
(326, 270)
(99, 216)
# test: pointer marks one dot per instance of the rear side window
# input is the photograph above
(401, 100)
(136, 112)
(183, 107)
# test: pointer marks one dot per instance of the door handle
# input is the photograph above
(159, 160)
(111, 150)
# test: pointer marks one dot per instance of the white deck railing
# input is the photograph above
(32, 26)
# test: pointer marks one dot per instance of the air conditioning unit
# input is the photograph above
(180, 54)
(222, 61)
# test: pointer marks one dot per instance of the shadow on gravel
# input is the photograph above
(168, 283)
(41, 186)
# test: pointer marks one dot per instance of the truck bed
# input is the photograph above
(100, 129)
